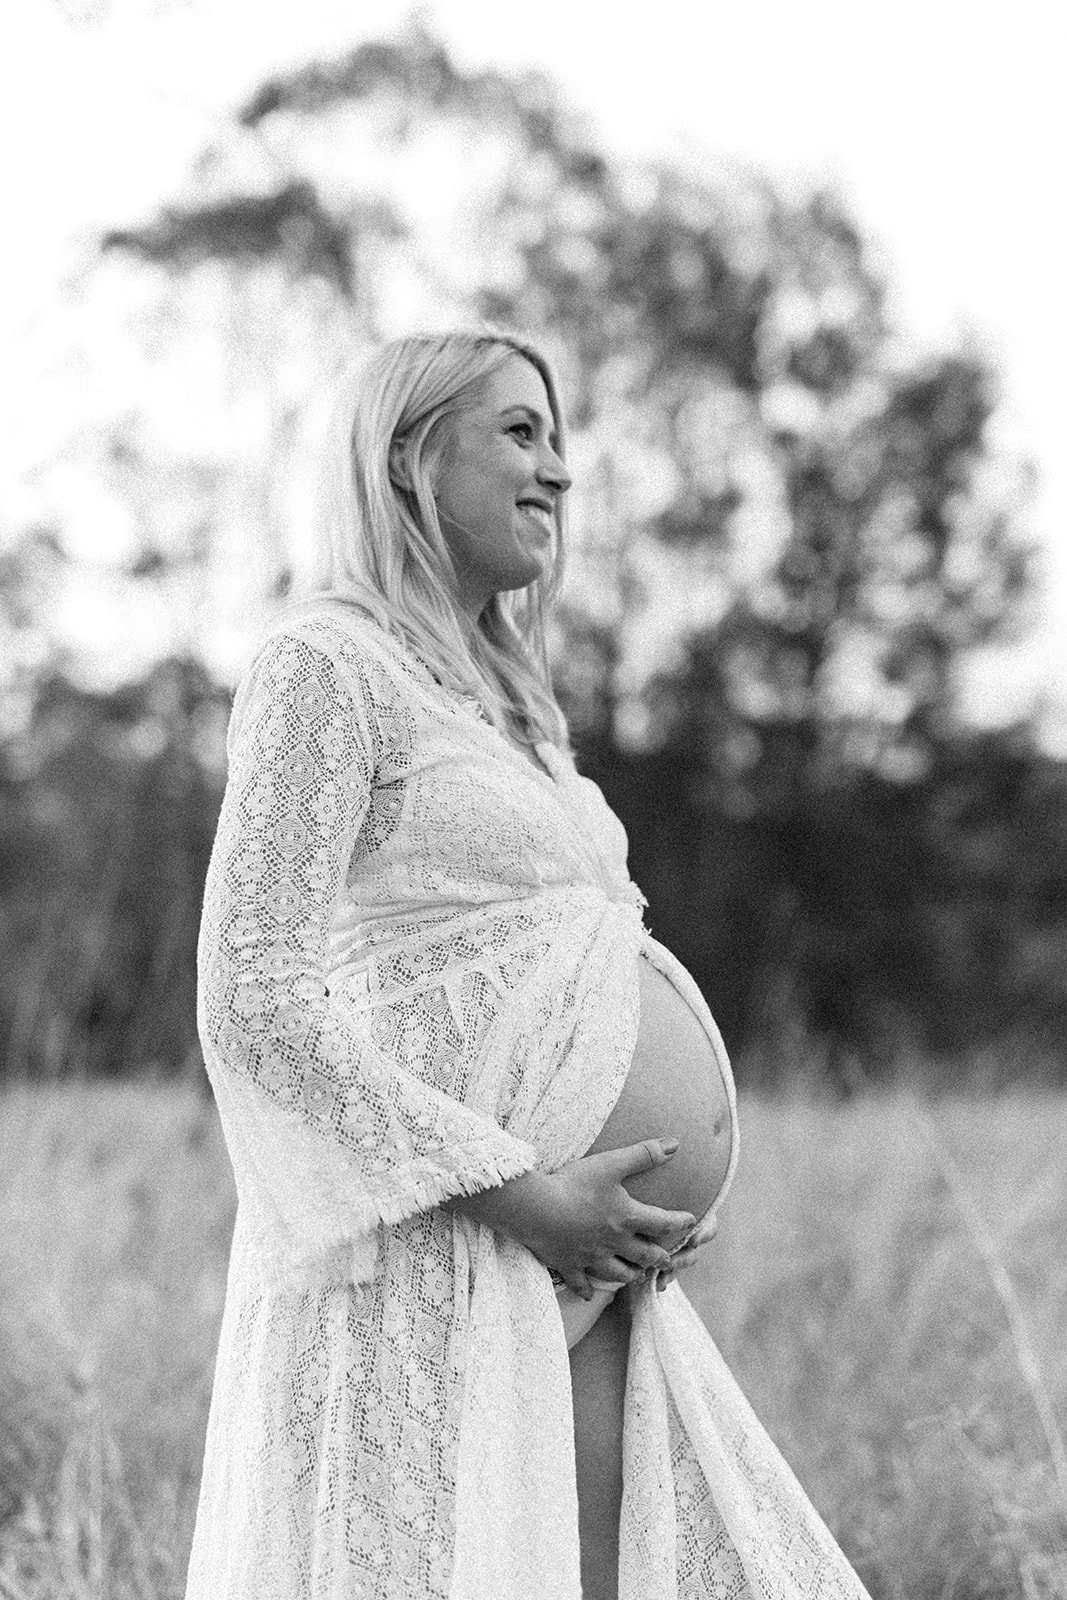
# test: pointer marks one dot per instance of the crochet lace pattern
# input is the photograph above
(417, 978)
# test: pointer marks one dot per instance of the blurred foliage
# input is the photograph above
(290, 224)
(108, 817)
(789, 537)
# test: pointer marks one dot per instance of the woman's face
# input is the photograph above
(498, 483)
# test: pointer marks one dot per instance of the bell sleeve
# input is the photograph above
(332, 1136)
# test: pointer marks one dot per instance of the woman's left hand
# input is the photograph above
(686, 1253)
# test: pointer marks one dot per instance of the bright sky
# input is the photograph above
(942, 122)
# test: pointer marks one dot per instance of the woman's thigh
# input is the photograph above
(598, 1388)
(579, 1315)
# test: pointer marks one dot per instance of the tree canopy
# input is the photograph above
(789, 534)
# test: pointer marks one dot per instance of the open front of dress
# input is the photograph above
(418, 978)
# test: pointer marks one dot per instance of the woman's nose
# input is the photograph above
(554, 472)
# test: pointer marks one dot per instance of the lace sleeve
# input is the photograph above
(337, 1135)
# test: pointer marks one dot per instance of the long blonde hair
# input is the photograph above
(381, 553)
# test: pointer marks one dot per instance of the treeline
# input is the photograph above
(863, 925)
(875, 925)
(790, 537)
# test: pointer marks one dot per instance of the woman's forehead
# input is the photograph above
(516, 382)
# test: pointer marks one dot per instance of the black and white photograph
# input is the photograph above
(533, 801)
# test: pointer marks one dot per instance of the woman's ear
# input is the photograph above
(399, 470)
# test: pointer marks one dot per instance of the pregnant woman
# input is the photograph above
(478, 1117)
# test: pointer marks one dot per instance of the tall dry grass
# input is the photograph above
(910, 1386)
(891, 1292)
(116, 1206)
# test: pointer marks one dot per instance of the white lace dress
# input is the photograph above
(418, 977)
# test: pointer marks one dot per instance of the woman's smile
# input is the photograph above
(540, 515)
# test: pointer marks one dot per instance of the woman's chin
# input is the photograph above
(528, 573)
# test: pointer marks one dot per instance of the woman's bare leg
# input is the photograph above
(598, 1386)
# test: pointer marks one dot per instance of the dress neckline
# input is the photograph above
(544, 771)
(540, 767)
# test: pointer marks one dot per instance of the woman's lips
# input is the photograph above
(539, 516)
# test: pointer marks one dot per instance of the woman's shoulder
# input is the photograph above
(343, 636)
(316, 667)
(314, 662)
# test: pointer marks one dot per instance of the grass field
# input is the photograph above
(889, 1284)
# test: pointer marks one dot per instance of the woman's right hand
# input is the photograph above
(590, 1226)
(582, 1222)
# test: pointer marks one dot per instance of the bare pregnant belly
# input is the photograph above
(673, 1089)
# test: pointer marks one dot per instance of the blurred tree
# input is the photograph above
(290, 224)
(787, 534)
(109, 803)
(748, 434)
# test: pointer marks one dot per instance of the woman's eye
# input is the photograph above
(523, 427)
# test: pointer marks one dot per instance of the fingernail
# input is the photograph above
(670, 1146)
